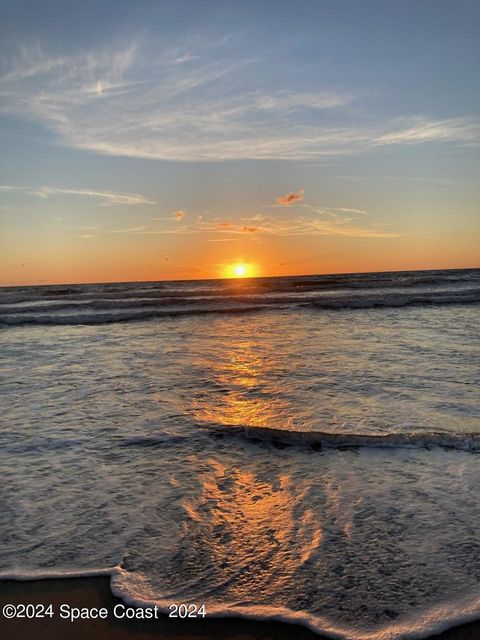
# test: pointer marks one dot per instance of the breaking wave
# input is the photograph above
(126, 302)
(327, 439)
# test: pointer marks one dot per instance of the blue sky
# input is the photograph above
(115, 116)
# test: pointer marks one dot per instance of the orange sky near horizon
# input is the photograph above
(123, 259)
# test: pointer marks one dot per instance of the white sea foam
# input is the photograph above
(425, 624)
(133, 590)
(42, 574)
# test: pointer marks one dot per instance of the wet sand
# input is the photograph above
(95, 592)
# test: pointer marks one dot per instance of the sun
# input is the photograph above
(239, 270)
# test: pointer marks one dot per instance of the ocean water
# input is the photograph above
(297, 448)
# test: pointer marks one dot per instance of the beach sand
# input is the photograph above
(95, 592)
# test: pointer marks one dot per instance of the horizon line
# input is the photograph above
(292, 275)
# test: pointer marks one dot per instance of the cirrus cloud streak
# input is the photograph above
(105, 197)
(197, 106)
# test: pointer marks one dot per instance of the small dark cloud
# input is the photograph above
(291, 198)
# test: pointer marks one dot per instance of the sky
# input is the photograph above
(156, 140)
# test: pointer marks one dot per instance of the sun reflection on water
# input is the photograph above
(250, 528)
(242, 391)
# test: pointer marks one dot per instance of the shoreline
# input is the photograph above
(95, 592)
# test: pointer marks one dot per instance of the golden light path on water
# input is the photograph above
(242, 373)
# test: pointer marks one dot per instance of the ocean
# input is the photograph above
(298, 448)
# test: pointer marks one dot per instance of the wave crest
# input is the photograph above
(418, 439)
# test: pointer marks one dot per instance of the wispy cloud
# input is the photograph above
(291, 198)
(144, 230)
(315, 221)
(105, 197)
(9, 188)
(327, 224)
(419, 130)
(296, 198)
(128, 230)
(288, 101)
(348, 210)
(186, 106)
(185, 57)
(199, 103)
(308, 225)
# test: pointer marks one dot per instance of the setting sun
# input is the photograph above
(239, 270)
